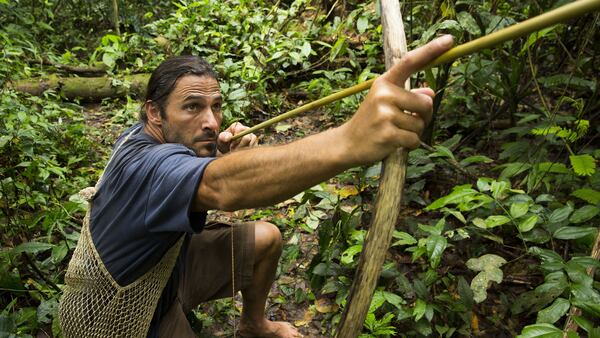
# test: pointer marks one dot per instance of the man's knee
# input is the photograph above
(268, 240)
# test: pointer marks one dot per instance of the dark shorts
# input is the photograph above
(208, 272)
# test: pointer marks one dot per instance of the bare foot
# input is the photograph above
(268, 329)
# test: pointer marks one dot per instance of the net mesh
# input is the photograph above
(95, 305)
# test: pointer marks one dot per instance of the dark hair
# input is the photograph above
(165, 76)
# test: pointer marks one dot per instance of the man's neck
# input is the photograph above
(154, 131)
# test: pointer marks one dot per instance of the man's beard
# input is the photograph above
(200, 149)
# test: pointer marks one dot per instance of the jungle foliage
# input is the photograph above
(497, 243)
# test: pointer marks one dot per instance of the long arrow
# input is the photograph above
(555, 16)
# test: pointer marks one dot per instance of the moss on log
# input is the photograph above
(85, 88)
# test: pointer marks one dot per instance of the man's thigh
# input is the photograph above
(208, 267)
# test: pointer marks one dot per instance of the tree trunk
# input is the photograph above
(115, 16)
(86, 88)
(387, 206)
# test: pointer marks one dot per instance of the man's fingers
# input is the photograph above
(416, 59)
(224, 137)
(425, 91)
(414, 102)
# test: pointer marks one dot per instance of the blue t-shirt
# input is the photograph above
(143, 206)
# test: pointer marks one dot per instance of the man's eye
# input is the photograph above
(191, 107)
(217, 107)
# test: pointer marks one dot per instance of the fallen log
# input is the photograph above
(85, 88)
(97, 70)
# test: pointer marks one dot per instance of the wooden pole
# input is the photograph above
(389, 196)
(529, 26)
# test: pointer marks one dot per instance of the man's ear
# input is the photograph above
(153, 113)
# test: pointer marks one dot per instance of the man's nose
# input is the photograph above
(211, 121)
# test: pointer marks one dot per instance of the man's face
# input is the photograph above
(193, 114)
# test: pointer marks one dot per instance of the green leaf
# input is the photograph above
(496, 220)
(589, 195)
(475, 159)
(533, 37)
(583, 165)
(362, 24)
(403, 238)
(7, 325)
(337, 48)
(584, 213)
(554, 312)
(567, 80)
(513, 169)
(560, 214)
(32, 247)
(419, 310)
(46, 310)
(108, 60)
(436, 245)
(442, 151)
(519, 209)
(393, 299)
(568, 232)
(528, 223)
(456, 214)
(348, 254)
(499, 189)
(306, 49)
(468, 23)
(458, 195)
(541, 331)
(377, 301)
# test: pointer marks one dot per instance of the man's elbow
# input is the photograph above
(215, 197)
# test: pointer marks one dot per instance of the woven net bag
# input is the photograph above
(94, 305)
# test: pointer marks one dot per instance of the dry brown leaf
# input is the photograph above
(325, 305)
(309, 314)
(347, 190)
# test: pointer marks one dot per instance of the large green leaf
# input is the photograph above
(541, 331)
(554, 312)
(528, 223)
(584, 213)
(496, 220)
(560, 214)
(568, 232)
(32, 247)
(518, 209)
(468, 23)
(436, 245)
(567, 80)
(458, 195)
(583, 165)
(589, 195)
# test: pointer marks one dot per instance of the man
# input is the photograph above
(146, 257)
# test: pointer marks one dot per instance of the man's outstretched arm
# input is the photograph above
(267, 175)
